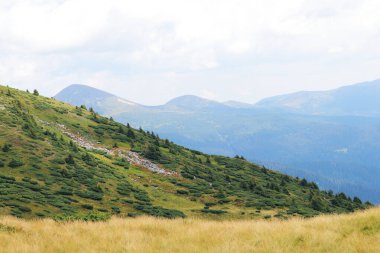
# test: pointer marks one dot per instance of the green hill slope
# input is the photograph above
(56, 159)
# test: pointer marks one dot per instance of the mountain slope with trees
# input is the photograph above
(58, 160)
(330, 137)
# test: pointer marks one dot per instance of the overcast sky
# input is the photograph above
(152, 51)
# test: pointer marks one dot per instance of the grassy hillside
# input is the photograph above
(358, 232)
(66, 162)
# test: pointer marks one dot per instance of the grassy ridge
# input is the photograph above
(44, 173)
(358, 232)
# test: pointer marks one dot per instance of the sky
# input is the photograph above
(152, 51)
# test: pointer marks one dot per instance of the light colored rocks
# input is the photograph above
(134, 158)
(131, 156)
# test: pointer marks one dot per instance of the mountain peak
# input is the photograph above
(74, 91)
(101, 101)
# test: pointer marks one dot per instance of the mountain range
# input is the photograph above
(331, 137)
(67, 162)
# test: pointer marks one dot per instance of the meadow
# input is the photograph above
(356, 232)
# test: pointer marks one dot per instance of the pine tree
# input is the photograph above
(121, 130)
(130, 134)
(152, 152)
(357, 200)
(36, 93)
(70, 159)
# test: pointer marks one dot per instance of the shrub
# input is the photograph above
(6, 147)
(160, 212)
(213, 211)
(87, 206)
(24, 209)
(124, 189)
(70, 159)
(90, 195)
(15, 163)
(182, 192)
(58, 161)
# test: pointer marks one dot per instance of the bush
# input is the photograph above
(6, 147)
(15, 163)
(86, 206)
(115, 209)
(90, 195)
(70, 159)
(24, 209)
(213, 211)
(124, 189)
(182, 192)
(160, 212)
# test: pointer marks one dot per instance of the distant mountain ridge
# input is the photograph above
(360, 100)
(305, 134)
(355, 100)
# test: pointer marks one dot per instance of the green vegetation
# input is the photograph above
(45, 173)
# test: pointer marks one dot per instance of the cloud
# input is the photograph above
(153, 50)
(51, 25)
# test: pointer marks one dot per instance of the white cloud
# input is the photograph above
(242, 49)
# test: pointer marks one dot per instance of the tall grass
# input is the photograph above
(358, 232)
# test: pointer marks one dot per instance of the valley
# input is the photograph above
(298, 134)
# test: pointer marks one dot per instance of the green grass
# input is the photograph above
(43, 174)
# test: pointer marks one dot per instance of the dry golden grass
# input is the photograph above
(358, 232)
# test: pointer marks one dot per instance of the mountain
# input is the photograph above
(104, 102)
(307, 134)
(355, 100)
(67, 162)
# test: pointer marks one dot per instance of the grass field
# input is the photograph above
(358, 232)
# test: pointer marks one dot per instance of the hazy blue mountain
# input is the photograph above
(360, 99)
(319, 140)
(103, 102)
